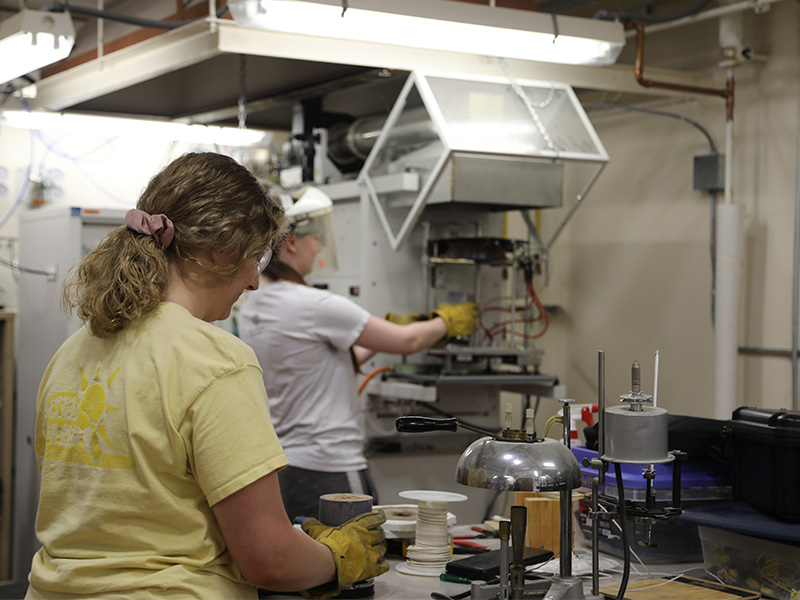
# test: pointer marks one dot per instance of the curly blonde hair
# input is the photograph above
(214, 204)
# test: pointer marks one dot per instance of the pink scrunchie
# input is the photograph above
(159, 226)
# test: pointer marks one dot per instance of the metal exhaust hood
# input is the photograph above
(479, 143)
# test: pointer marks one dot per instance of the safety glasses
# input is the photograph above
(262, 262)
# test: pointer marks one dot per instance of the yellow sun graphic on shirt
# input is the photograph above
(93, 407)
(74, 423)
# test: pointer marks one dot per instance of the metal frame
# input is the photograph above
(420, 81)
(202, 40)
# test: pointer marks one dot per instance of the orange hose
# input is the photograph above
(542, 311)
(502, 326)
(370, 376)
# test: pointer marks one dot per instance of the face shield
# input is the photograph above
(312, 214)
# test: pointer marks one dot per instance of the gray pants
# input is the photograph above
(301, 488)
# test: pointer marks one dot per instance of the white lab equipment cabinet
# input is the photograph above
(52, 239)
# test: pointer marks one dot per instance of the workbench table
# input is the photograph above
(395, 585)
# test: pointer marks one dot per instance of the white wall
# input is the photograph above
(632, 270)
(95, 171)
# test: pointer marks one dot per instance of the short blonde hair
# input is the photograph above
(214, 203)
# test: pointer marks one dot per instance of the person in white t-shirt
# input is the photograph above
(159, 461)
(310, 343)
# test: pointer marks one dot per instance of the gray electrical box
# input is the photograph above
(709, 172)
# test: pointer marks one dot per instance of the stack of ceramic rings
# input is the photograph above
(431, 550)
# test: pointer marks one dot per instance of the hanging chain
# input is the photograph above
(530, 105)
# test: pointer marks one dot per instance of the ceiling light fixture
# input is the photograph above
(32, 39)
(442, 25)
(135, 128)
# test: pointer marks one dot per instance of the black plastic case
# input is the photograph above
(486, 565)
(765, 459)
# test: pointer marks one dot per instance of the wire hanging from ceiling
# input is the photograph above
(128, 19)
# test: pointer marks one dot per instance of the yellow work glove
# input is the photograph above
(357, 548)
(406, 318)
(461, 318)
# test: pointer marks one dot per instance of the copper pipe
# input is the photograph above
(638, 70)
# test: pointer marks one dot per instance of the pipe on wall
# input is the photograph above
(730, 230)
(730, 227)
(720, 11)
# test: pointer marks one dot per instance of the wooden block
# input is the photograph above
(491, 525)
(682, 588)
(544, 524)
(519, 497)
(543, 529)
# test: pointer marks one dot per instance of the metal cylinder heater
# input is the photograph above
(636, 436)
(635, 433)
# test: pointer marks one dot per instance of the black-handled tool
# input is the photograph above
(413, 424)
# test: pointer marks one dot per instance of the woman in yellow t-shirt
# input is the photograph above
(158, 457)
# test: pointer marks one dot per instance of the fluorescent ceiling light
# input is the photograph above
(442, 25)
(137, 128)
(32, 39)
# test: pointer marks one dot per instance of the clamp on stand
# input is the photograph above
(513, 585)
